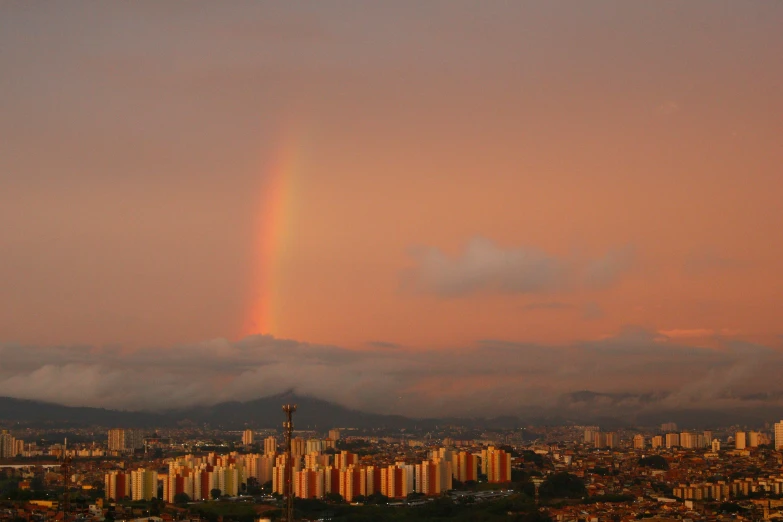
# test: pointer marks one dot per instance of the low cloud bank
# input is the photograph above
(634, 369)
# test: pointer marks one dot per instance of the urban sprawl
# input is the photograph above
(567, 473)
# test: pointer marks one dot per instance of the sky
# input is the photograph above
(425, 207)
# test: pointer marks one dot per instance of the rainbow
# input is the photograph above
(273, 233)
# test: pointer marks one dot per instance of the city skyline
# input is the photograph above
(414, 208)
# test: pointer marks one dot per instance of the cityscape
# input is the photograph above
(564, 473)
(391, 260)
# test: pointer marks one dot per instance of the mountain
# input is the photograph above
(49, 414)
(267, 412)
(606, 410)
(260, 413)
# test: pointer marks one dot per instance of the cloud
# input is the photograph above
(701, 263)
(483, 267)
(490, 377)
(383, 344)
(668, 108)
(548, 305)
(592, 311)
(687, 333)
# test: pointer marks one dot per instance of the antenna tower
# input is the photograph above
(288, 426)
(66, 469)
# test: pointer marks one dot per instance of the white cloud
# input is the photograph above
(485, 267)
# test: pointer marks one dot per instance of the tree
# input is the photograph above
(215, 493)
(181, 498)
(377, 498)
(563, 485)
(334, 497)
(654, 461)
(252, 486)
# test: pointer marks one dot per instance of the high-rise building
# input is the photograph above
(753, 439)
(247, 437)
(464, 466)
(669, 426)
(656, 441)
(344, 459)
(498, 464)
(334, 434)
(314, 446)
(739, 440)
(397, 480)
(715, 445)
(350, 482)
(672, 440)
(691, 440)
(779, 435)
(590, 434)
(434, 476)
(125, 440)
(298, 447)
(638, 441)
(270, 446)
(7, 445)
(117, 485)
(144, 484)
(606, 439)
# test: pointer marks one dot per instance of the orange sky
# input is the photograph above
(525, 172)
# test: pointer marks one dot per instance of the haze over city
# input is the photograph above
(420, 208)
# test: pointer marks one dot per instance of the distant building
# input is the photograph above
(638, 441)
(779, 435)
(433, 476)
(497, 464)
(144, 484)
(334, 434)
(464, 466)
(590, 433)
(739, 440)
(753, 439)
(672, 440)
(669, 426)
(247, 437)
(8, 446)
(117, 485)
(691, 440)
(607, 439)
(298, 447)
(125, 440)
(270, 446)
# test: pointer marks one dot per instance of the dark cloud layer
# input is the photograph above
(646, 369)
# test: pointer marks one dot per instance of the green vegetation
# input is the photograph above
(437, 510)
(654, 461)
(212, 511)
(562, 485)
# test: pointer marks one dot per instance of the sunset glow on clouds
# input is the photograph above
(290, 177)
